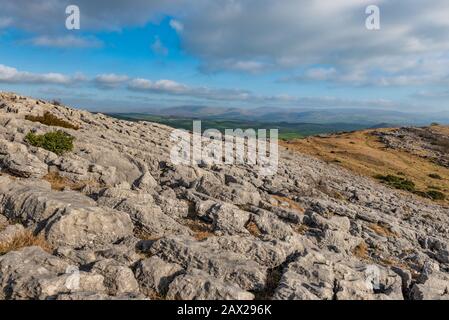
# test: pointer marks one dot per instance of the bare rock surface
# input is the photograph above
(123, 222)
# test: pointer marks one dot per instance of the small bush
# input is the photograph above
(56, 141)
(435, 176)
(51, 120)
(397, 182)
(435, 195)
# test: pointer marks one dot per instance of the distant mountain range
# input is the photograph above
(366, 117)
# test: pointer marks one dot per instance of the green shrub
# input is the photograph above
(56, 141)
(51, 120)
(435, 195)
(397, 182)
(435, 176)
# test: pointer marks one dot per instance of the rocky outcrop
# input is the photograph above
(122, 222)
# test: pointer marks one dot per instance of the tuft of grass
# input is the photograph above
(381, 230)
(3, 225)
(56, 141)
(396, 182)
(201, 230)
(25, 239)
(51, 120)
(59, 183)
(435, 176)
(253, 229)
(361, 251)
(284, 202)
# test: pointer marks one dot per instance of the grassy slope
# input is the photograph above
(287, 130)
(363, 153)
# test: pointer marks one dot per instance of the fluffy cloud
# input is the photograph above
(68, 41)
(5, 22)
(48, 16)
(12, 75)
(293, 32)
(110, 80)
(176, 25)
(257, 35)
(173, 89)
(158, 47)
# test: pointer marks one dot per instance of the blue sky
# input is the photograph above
(132, 55)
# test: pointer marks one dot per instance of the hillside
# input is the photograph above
(286, 130)
(91, 207)
(367, 117)
(419, 155)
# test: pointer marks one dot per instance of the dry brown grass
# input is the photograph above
(25, 239)
(253, 229)
(301, 228)
(143, 235)
(361, 251)
(3, 226)
(51, 120)
(60, 183)
(201, 230)
(363, 153)
(284, 202)
(382, 230)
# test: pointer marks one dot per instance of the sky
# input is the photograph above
(132, 55)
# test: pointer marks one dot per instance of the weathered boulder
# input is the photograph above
(225, 265)
(154, 275)
(199, 285)
(146, 183)
(91, 227)
(432, 284)
(228, 219)
(15, 159)
(144, 212)
(32, 273)
(267, 253)
(10, 232)
(317, 276)
(118, 278)
(33, 201)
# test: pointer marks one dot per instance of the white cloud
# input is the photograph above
(158, 47)
(162, 86)
(172, 88)
(321, 73)
(69, 41)
(176, 25)
(12, 75)
(110, 80)
(5, 22)
(256, 35)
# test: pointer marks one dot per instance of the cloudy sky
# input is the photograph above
(129, 55)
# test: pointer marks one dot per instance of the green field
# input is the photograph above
(287, 131)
